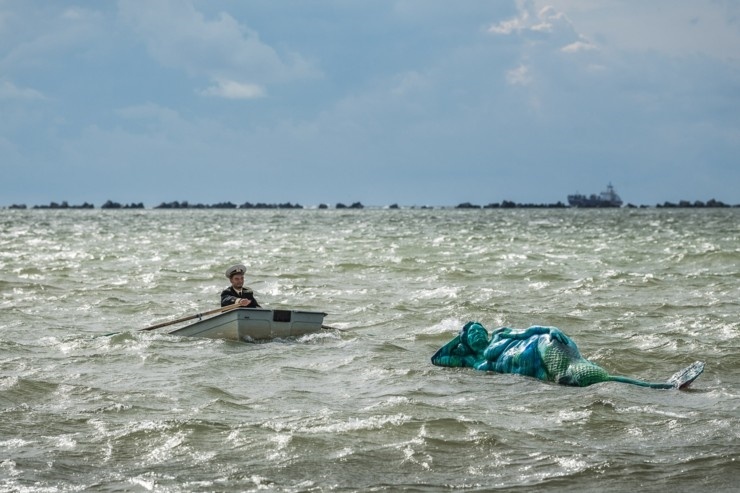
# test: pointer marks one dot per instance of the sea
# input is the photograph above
(91, 402)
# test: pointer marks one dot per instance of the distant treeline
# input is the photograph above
(698, 203)
(249, 205)
(65, 205)
(506, 204)
(183, 205)
(226, 205)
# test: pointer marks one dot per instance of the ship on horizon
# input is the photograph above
(607, 198)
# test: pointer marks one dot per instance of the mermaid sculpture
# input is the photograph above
(541, 352)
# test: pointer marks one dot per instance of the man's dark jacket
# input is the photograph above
(229, 297)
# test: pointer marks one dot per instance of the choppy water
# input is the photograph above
(642, 292)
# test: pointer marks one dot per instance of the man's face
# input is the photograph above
(237, 281)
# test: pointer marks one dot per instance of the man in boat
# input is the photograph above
(237, 293)
(541, 352)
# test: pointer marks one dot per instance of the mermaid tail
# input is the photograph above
(541, 352)
(679, 380)
(567, 367)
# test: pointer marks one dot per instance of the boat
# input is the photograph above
(608, 198)
(254, 324)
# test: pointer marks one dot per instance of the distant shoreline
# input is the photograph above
(506, 204)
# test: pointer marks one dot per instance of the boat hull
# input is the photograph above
(254, 324)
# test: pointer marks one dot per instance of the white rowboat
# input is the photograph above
(253, 324)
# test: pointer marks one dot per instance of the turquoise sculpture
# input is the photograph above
(545, 353)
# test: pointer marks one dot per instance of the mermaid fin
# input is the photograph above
(683, 378)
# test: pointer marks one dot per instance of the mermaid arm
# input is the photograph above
(536, 330)
(559, 336)
(455, 361)
(455, 354)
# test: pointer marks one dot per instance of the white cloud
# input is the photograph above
(221, 48)
(230, 89)
(40, 35)
(8, 90)
(673, 27)
(519, 76)
(511, 25)
(545, 24)
(578, 46)
(550, 20)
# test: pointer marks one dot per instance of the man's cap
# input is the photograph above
(235, 269)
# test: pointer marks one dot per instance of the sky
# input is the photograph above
(409, 102)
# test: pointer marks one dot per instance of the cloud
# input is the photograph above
(551, 20)
(519, 76)
(220, 48)
(578, 46)
(552, 53)
(511, 25)
(8, 90)
(674, 28)
(35, 35)
(231, 89)
(545, 24)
